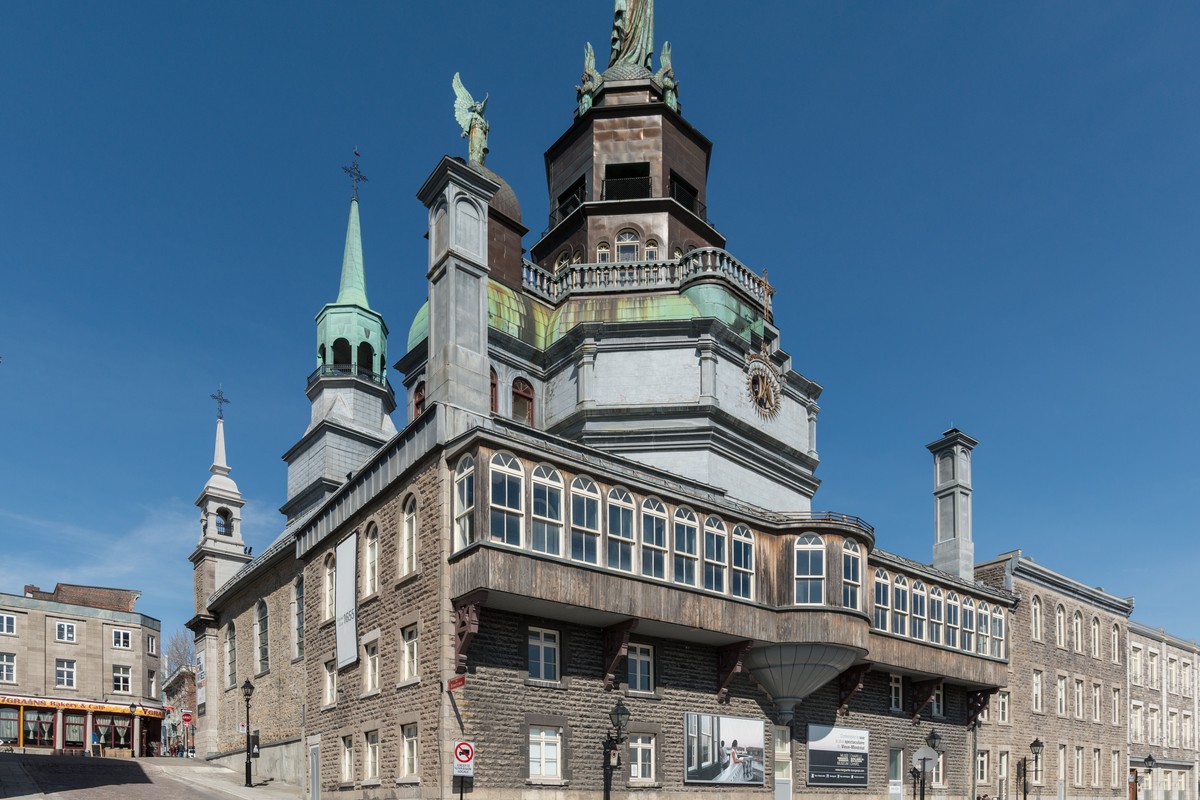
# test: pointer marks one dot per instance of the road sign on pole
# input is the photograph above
(464, 759)
(186, 717)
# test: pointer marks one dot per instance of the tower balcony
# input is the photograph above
(347, 371)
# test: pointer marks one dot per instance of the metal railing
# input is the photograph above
(345, 370)
(627, 188)
(832, 516)
(687, 198)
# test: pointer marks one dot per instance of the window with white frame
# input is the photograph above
(151, 683)
(408, 538)
(408, 656)
(1115, 769)
(1078, 771)
(1095, 642)
(371, 666)
(121, 679)
(507, 496)
(371, 762)
(620, 530)
(851, 575)
(1062, 763)
(628, 245)
(1078, 695)
(742, 579)
(1002, 699)
(262, 639)
(1136, 728)
(1036, 691)
(1188, 730)
(464, 502)
(1135, 666)
(896, 693)
(654, 538)
(1035, 618)
(952, 619)
(545, 752)
(543, 654)
(1152, 723)
(8, 668)
(603, 253)
(330, 682)
(347, 759)
(64, 632)
(370, 573)
(585, 520)
(1116, 643)
(997, 632)
(1095, 766)
(121, 639)
(937, 778)
(1096, 712)
(968, 624)
(641, 758)
(546, 531)
(1060, 626)
(409, 767)
(1077, 632)
(1186, 678)
(640, 661)
(298, 617)
(1152, 676)
(1061, 695)
(918, 610)
(810, 570)
(685, 546)
(937, 703)
(935, 615)
(330, 573)
(982, 764)
(64, 673)
(715, 556)
(231, 655)
(983, 629)
(1172, 675)
(1172, 728)
(883, 595)
(1116, 706)
(900, 605)
(651, 250)
(8, 625)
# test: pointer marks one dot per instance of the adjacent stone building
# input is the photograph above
(1162, 713)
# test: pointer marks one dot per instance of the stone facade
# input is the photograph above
(1162, 712)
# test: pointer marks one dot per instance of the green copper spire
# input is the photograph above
(353, 290)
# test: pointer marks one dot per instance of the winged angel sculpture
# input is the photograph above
(590, 81)
(470, 118)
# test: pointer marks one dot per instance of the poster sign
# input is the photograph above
(464, 759)
(344, 601)
(723, 749)
(200, 698)
(837, 756)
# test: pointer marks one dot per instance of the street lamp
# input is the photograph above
(619, 717)
(1036, 748)
(915, 774)
(247, 690)
(1150, 765)
(133, 707)
(934, 741)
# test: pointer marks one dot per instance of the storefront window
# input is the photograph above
(9, 725)
(113, 730)
(73, 725)
(39, 728)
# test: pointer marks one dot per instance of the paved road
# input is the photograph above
(63, 777)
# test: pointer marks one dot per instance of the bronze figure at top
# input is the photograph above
(469, 115)
(632, 34)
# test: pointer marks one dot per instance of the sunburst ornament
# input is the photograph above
(762, 385)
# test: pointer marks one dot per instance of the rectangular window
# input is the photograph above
(545, 748)
(714, 555)
(371, 771)
(1061, 695)
(1062, 763)
(1152, 723)
(408, 639)
(654, 540)
(640, 659)
(151, 683)
(1078, 776)
(1095, 766)
(641, 758)
(8, 625)
(408, 539)
(585, 520)
(936, 709)
(347, 759)
(1078, 699)
(1172, 729)
(8, 668)
(896, 692)
(1116, 706)
(371, 673)
(1187, 679)
(685, 547)
(1135, 723)
(330, 682)
(1002, 708)
(151, 645)
(1187, 730)
(1036, 691)
(64, 673)
(1152, 675)
(408, 763)
(543, 654)
(937, 778)
(1135, 666)
(620, 530)
(121, 639)
(1096, 713)
(120, 680)
(64, 632)
(1115, 769)
(982, 772)
(73, 726)
(1172, 675)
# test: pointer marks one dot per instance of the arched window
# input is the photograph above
(743, 563)
(935, 615)
(261, 638)
(952, 619)
(918, 610)
(408, 538)
(603, 253)
(1035, 618)
(900, 606)
(714, 554)
(851, 574)
(983, 629)
(495, 406)
(968, 624)
(507, 496)
(651, 250)
(628, 244)
(1095, 638)
(585, 520)
(298, 617)
(330, 585)
(341, 354)
(577, 257)
(1116, 644)
(1060, 626)
(366, 360)
(321, 354)
(464, 502)
(810, 570)
(677, 253)
(370, 572)
(685, 546)
(224, 522)
(419, 399)
(883, 592)
(231, 655)
(654, 538)
(1077, 632)
(522, 401)
(546, 535)
(563, 259)
(620, 530)
(997, 632)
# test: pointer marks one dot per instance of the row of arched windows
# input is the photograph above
(1073, 635)
(930, 615)
(371, 574)
(626, 247)
(522, 398)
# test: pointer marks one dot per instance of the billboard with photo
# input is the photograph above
(723, 749)
(837, 756)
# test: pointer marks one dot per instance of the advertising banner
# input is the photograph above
(345, 601)
(200, 678)
(723, 749)
(837, 756)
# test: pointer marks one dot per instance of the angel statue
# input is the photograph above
(632, 33)
(590, 80)
(666, 77)
(470, 117)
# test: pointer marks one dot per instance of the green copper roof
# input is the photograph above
(353, 290)
(419, 330)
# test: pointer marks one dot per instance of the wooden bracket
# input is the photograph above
(977, 702)
(466, 625)
(922, 696)
(616, 645)
(729, 663)
(850, 683)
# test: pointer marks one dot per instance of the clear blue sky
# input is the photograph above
(976, 214)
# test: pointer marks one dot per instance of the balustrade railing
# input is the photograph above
(345, 370)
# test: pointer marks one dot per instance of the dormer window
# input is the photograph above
(628, 244)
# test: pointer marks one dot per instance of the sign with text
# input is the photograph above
(721, 749)
(457, 682)
(344, 601)
(200, 679)
(464, 760)
(837, 756)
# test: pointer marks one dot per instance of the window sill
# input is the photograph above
(345, 785)
(368, 598)
(264, 673)
(408, 577)
(411, 781)
(329, 707)
(545, 684)
(371, 693)
(297, 659)
(370, 783)
(546, 782)
(409, 682)
(654, 695)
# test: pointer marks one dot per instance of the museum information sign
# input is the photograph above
(837, 756)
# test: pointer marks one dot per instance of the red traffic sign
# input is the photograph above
(457, 682)
(186, 717)
(464, 760)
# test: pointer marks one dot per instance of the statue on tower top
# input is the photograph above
(470, 117)
(632, 33)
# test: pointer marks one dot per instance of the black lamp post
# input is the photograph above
(247, 690)
(1150, 765)
(934, 740)
(619, 717)
(133, 707)
(915, 774)
(1036, 748)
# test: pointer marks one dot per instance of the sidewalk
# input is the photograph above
(200, 773)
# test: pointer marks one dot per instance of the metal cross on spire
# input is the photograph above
(221, 401)
(354, 173)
